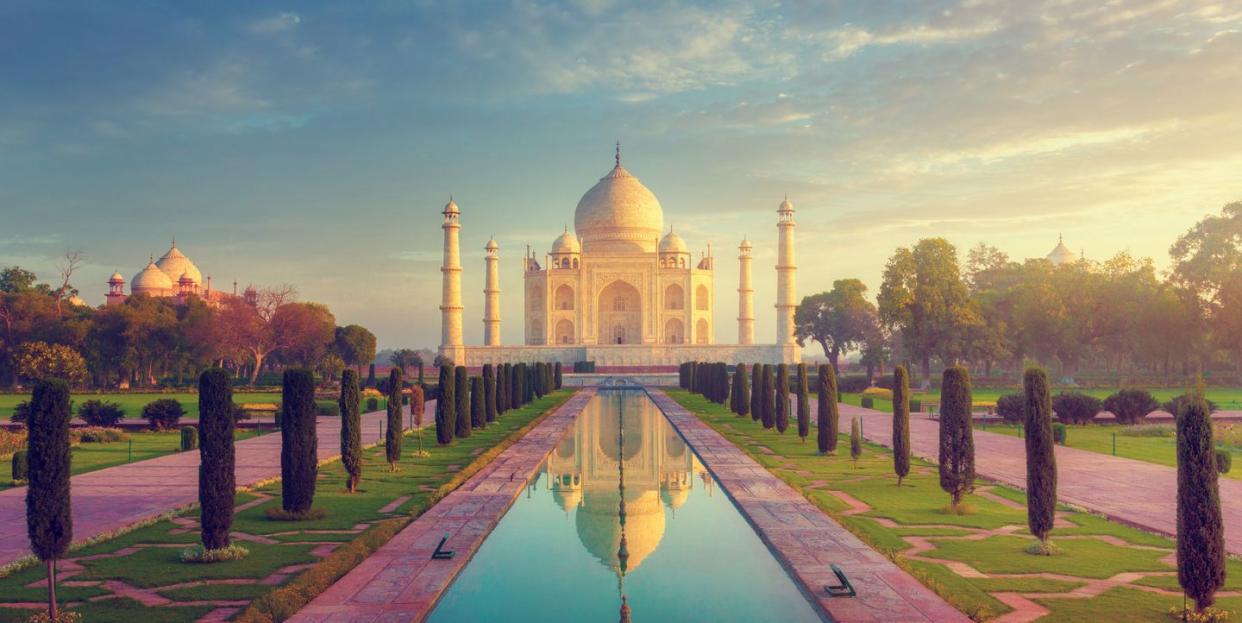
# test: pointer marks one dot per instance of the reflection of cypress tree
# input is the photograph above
(462, 381)
(782, 398)
(446, 406)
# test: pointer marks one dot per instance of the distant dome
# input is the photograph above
(566, 243)
(451, 207)
(1061, 254)
(672, 243)
(77, 301)
(619, 213)
(745, 246)
(786, 205)
(151, 281)
(116, 278)
(175, 264)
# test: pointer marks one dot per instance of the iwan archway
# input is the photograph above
(620, 315)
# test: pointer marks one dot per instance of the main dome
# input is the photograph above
(619, 214)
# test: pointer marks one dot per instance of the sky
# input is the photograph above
(314, 144)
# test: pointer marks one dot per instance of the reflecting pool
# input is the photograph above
(622, 507)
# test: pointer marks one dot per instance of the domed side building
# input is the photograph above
(621, 289)
(172, 276)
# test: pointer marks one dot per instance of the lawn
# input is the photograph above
(88, 457)
(909, 524)
(133, 403)
(279, 550)
(1227, 398)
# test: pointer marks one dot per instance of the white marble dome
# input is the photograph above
(1061, 254)
(175, 264)
(672, 243)
(619, 213)
(151, 280)
(566, 243)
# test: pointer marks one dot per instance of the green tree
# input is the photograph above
(804, 403)
(1041, 460)
(1200, 529)
(299, 461)
(355, 344)
(49, 519)
(403, 357)
(446, 406)
(756, 392)
(767, 397)
(478, 415)
(502, 389)
(462, 381)
(1207, 261)
(489, 392)
(827, 412)
(393, 430)
(38, 360)
(741, 383)
(15, 280)
(901, 423)
(957, 444)
(351, 429)
(782, 398)
(839, 320)
(216, 480)
(855, 440)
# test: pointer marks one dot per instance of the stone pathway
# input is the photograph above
(111, 499)
(1131, 492)
(806, 540)
(400, 582)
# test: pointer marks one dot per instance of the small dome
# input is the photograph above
(451, 207)
(672, 243)
(186, 279)
(151, 280)
(175, 264)
(786, 205)
(745, 246)
(116, 278)
(1061, 254)
(492, 245)
(566, 243)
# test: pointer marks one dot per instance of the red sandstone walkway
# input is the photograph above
(806, 540)
(400, 582)
(1133, 492)
(108, 500)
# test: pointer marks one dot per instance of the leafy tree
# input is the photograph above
(1041, 460)
(403, 357)
(901, 423)
(355, 344)
(1200, 529)
(804, 404)
(351, 429)
(39, 360)
(478, 415)
(756, 392)
(15, 280)
(767, 397)
(446, 407)
(489, 392)
(216, 484)
(49, 520)
(957, 444)
(299, 461)
(502, 389)
(782, 398)
(101, 413)
(1207, 260)
(827, 412)
(741, 382)
(1131, 405)
(840, 320)
(393, 431)
(462, 381)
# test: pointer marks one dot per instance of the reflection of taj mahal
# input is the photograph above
(584, 473)
(619, 290)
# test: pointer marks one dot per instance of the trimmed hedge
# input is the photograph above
(20, 466)
(1060, 433)
(1010, 407)
(1076, 407)
(1130, 405)
(163, 414)
(1224, 461)
(101, 413)
(189, 438)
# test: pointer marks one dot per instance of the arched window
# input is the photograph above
(575, 262)
(701, 297)
(564, 296)
(700, 332)
(674, 331)
(681, 262)
(564, 332)
(674, 297)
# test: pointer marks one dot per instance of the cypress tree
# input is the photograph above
(393, 428)
(782, 398)
(559, 373)
(855, 440)
(681, 375)
(1200, 531)
(446, 407)
(536, 375)
(462, 383)
(756, 392)
(734, 391)
(804, 404)
(765, 399)
(298, 444)
(515, 385)
(49, 519)
(957, 444)
(901, 423)
(502, 389)
(742, 381)
(216, 484)
(418, 407)
(827, 412)
(1041, 460)
(489, 393)
(371, 376)
(530, 384)
(478, 410)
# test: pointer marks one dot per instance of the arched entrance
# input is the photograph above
(674, 331)
(564, 332)
(620, 315)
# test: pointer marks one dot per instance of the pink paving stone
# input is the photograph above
(110, 499)
(1132, 492)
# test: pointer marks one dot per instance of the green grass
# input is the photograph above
(154, 567)
(1138, 606)
(133, 403)
(1228, 398)
(917, 509)
(89, 457)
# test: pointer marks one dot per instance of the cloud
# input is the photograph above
(848, 41)
(279, 22)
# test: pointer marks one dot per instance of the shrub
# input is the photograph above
(462, 381)
(101, 413)
(827, 413)
(163, 414)
(97, 434)
(1175, 405)
(21, 412)
(1224, 461)
(867, 402)
(393, 432)
(957, 444)
(327, 409)
(1076, 408)
(1010, 408)
(1200, 529)
(189, 438)
(372, 404)
(878, 393)
(1041, 461)
(446, 414)
(216, 474)
(21, 467)
(351, 429)
(853, 383)
(299, 463)
(1060, 433)
(201, 554)
(901, 423)
(916, 406)
(49, 522)
(1130, 405)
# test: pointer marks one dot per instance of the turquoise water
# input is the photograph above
(689, 555)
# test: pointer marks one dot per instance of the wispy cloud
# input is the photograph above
(279, 22)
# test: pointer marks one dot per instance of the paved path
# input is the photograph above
(400, 582)
(108, 500)
(1132, 492)
(807, 541)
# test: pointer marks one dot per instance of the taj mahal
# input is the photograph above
(619, 290)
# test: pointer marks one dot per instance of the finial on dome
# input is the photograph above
(174, 244)
(618, 156)
(1060, 238)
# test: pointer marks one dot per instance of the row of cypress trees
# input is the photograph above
(467, 403)
(709, 379)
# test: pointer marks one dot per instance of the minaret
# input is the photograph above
(491, 294)
(450, 298)
(745, 296)
(786, 288)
